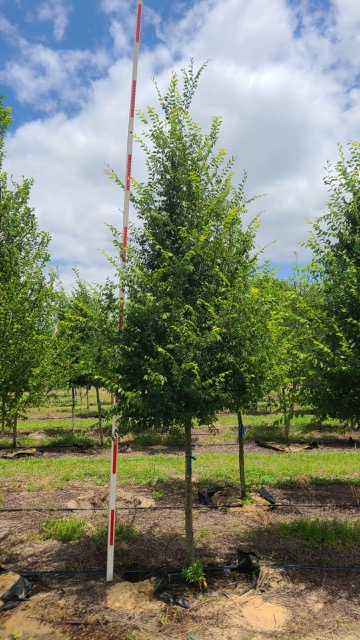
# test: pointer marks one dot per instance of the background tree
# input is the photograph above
(171, 362)
(86, 337)
(247, 347)
(292, 320)
(27, 297)
(334, 386)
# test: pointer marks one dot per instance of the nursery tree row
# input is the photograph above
(205, 326)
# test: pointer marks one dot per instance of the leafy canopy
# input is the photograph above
(187, 255)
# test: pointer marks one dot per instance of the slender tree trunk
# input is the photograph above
(87, 398)
(101, 433)
(3, 412)
(14, 440)
(286, 412)
(241, 455)
(73, 408)
(189, 532)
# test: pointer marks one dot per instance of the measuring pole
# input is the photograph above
(114, 430)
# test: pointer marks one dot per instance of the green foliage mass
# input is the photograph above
(189, 260)
(334, 386)
(27, 309)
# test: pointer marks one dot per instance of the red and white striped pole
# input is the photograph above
(114, 447)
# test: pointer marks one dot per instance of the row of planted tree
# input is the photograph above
(205, 326)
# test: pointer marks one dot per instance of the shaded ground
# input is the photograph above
(205, 444)
(287, 605)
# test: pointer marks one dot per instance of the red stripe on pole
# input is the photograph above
(128, 173)
(114, 456)
(133, 96)
(112, 528)
(125, 237)
(138, 23)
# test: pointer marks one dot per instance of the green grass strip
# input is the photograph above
(273, 470)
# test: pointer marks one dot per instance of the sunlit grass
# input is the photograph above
(272, 470)
(64, 439)
(54, 424)
(269, 427)
(63, 529)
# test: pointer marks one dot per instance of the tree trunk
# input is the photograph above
(3, 412)
(287, 415)
(87, 398)
(14, 442)
(101, 433)
(189, 533)
(241, 455)
(73, 408)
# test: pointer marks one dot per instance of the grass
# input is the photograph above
(63, 529)
(272, 470)
(64, 439)
(53, 423)
(71, 529)
(99, 536)
(265, 427)
(316, 532)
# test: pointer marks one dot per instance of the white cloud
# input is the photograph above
(55, 11)
(6, 27)
(48, 78)
(287, 96)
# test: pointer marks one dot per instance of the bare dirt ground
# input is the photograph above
(288, 604)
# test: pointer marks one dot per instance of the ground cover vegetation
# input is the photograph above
(216, 356)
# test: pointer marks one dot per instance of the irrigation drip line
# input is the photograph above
(305, 566)
(181, 507)
(151, 570)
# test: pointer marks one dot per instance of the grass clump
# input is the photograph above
(316, 532)
(63, 529)
(146, 439)
(175, 437)
(123, 532)
(158, 494)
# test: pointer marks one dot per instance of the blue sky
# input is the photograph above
(64, 26)
(284, 76)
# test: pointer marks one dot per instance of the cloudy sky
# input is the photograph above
(283, 74)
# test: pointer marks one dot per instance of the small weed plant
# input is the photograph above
(64, 529)
(194, 574)
(158, 495)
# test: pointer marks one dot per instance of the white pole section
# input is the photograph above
(114, 430)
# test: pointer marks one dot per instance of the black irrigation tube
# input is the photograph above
(181, 507)
(154, 571)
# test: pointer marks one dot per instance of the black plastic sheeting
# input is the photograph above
(168, 581)
(16, 594)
